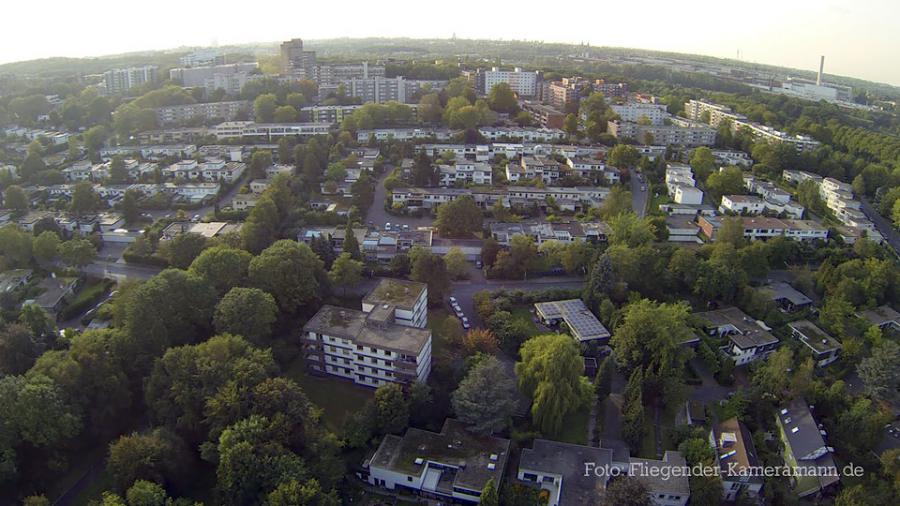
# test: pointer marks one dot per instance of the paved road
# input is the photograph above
(464, 291)
(639, 197)
(378, 216)
(882, 225)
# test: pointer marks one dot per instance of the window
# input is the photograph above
(409, 478)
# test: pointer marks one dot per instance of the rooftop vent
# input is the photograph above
(494, 457)
(492, 466)
(795, 430)
(419, 461)
(784, 411)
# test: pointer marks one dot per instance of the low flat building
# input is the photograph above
(805, 449)
(207, 230)
(885, 317)
(823, 347)
(749, 339)
(576, 475)
(737, 459)
(564, 232)
(788, 298)
(682, 228)
(579, 320)
(57, 292)
(761, 228)
(452, 465)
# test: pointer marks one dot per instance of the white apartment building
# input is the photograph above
(386, 342)
(800, 176)
(463, 172)
(268, 131)
(150, 152)
(695, 109)
(121, 80)
(637, 111)
(686, 133)
(685, 194)
(220, 170)
(78, 171)
(546, 169)
(523, 134)
(404, 134)
(524, 84)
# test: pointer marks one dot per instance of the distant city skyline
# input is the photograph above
(858, 39)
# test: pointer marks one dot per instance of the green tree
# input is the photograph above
(159, 456)
(45, 246)
(18, 348)
(183, 249)
(623, 156)
(430, 269)
(84, 199)
(77, 253)
(880, 372)
(729, 181)
(809, 197)
(490, 496)
(457, 266)
(570, 125)
(502, 99)
(15, 246)
(285, 114)
(391, 409)
(247, 312)
(222, 267)
(460, 217)
(616, 203)
(486, 398)
(351, 244)
(703, 163)
(309, 493)
(291, 272)
(261, 227)
(633, 409)
(627, 229)
(603, 378)
(731, 231)
(130, 208)
(550, 372)
(184, 380)
(627, 491)
(117, 171)
(345, 271)
(35, 411)
(14, 198)
(264, 107)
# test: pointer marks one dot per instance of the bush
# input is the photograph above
(89, 296)
(145, 260)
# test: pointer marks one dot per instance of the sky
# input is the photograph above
(859, 38)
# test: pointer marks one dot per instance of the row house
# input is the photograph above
(220, 170)
(748, 339)
(546, 169)
(752, 205)
(522, 133)
(465, 172)
(404, 134)
(564, 232)
(594, 170)
(150, 152)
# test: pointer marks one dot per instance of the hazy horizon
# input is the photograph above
(856, 42)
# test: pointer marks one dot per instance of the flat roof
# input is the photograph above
(880, 315)
(567, 460)
(814, 337)
(454, 446)
(377, 331)
(580, 320)
(661, 481)
(396, 292)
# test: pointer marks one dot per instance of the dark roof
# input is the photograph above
(800, 428)
(780, 290)
(568, 460)
(749, 333)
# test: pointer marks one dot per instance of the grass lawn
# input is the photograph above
(338, 398)
(523, 314)
(575, 428)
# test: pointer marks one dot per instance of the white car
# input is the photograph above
(387, 226)
(453, 300)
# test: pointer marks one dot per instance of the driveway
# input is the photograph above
(465, 291)
(710, 391)
(638, 197)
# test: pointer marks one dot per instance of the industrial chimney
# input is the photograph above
(821, 66)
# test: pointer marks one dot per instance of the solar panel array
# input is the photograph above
(578, 317)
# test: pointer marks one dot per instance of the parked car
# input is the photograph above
(465, 323)
(405, 227)
(387, 226)
(452, 300)
(478, 264)
(196, 218)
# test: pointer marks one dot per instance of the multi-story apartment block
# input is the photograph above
(567, 198)
(679, 133)
(335, 73)
(212, 110)
(714, 114)
(637, 112)
(522, 83)
(699, 110)
(619, 90)
(404, 134)
(544, 115)
(268, 131)
(749, 339)
(121, 80)
(332, 114)
(465, 172)
(761, 228)
(566, 93)
(386, 342)
(522, 134)
(799, 176)
(297, 62)
(203, 58)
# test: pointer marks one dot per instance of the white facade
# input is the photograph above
(522, 83)
(688, 195)
(637, 111)
(465, 172)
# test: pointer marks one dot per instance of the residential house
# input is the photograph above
(788, 298)
(57, 292)
(737, 458)
(805, 449)
(14, 279)
(579, 320)
(885, 317)
(452, 465)
(823, 347)
(748, 339)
